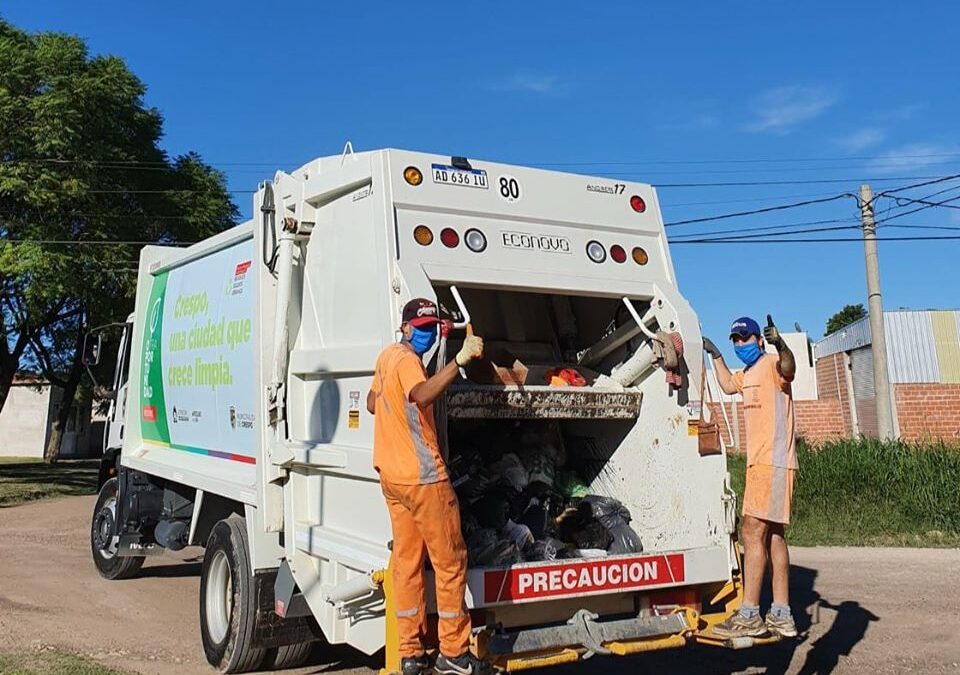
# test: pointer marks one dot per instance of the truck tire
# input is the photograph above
(103, 528)
(288, 656)
(228, 608)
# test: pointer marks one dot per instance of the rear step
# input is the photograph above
(584, 629)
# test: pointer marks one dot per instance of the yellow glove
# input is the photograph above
(472, 348)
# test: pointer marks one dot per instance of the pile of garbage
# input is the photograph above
(519, 502)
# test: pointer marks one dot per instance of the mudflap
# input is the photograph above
(271, 629)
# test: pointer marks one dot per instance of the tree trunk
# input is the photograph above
(6, 381)
(51, 453)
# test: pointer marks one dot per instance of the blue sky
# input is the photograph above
(680, 94)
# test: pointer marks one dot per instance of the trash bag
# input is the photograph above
(512, 471)
(535, 516)
(570, 485)
(486, 548)
(541, 465)
(545, 550)
(615, 518)
(578, 526)
(519, 534)
(492, 510)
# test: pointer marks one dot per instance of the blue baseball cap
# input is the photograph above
(744, 327)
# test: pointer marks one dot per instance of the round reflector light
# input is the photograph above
(639, 256)
(423, 235)
(412, 175)
(596, 252)
(618, 254)
(637, 204)
(449, 237)
(475, 240)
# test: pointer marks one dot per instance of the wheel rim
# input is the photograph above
(103, 529)
(219, 597)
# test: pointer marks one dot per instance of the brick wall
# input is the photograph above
(928, 411)
(832, 376)
(816, 421)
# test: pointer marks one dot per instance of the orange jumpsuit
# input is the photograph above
(771, 444)
(423, 507)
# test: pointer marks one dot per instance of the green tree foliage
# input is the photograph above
(849, 314)
(83, 181)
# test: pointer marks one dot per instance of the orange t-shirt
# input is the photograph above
(768, 414)
(405, 448)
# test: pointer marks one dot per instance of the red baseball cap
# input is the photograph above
(421, 312)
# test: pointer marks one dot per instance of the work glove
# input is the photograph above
(711, 348)
(472, 348)
(771, 334)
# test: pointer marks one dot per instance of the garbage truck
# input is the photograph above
(238, 419)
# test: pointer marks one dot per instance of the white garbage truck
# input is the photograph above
(238, 419)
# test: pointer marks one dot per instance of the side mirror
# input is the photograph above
(91, 349)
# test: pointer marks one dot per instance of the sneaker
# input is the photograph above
(740, 626)
(784, 627)
(417, 665)
(467, 664)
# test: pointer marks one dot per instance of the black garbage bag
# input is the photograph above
(485, 548)
(545, 549)
(615, 518)
(493, 509)
(578, 526)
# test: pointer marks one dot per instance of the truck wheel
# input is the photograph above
(228, 609)
(288, 656)
(103, 543)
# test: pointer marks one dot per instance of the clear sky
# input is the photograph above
(694, 92)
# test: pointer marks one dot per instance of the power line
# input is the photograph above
(721, 240)
(691, 235)
(90, 242)
(823, 181)
(767, 209)
(919, 208)
(745, 237)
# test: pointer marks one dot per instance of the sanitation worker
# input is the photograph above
(771, 468)
(421, 501)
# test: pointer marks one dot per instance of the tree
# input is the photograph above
(83, 184)
(846, 316)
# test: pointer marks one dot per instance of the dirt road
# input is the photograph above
(870, 611)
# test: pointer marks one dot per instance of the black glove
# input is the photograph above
(711, 348)
(771, 334)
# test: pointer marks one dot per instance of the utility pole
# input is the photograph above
(878, 341)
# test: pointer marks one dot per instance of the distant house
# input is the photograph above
(27, 418)
(923, 362)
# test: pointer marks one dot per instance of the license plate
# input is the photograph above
(451, 175)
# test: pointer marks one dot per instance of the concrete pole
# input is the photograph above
(878, 340)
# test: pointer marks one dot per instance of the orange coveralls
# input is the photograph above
(423, 507)
(771, 447)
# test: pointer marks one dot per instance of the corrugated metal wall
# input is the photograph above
(946, 337)
(846, 339)
(922, 346)
(864, 393)
(911, 352)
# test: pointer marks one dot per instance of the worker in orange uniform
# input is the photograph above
(423, 506)
(771, 469)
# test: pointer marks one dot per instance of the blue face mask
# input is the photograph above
(748, 353)
(422, 340)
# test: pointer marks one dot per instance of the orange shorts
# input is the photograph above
(769, 493)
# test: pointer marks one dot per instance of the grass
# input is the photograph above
(51, 662)
(27, 479)
(870, 493)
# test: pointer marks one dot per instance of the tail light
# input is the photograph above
(640, 256)
(412, 175)
(423, 235)
(637, 204)
(449, 237)
(618, 254)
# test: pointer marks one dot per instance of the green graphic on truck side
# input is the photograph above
(153, 409)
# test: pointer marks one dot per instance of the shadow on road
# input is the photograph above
(327, 658)
(847, 630)
(176, 570)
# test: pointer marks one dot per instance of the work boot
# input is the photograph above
(740, 626)
(466, 664)
(414, 665)
(784, 627)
